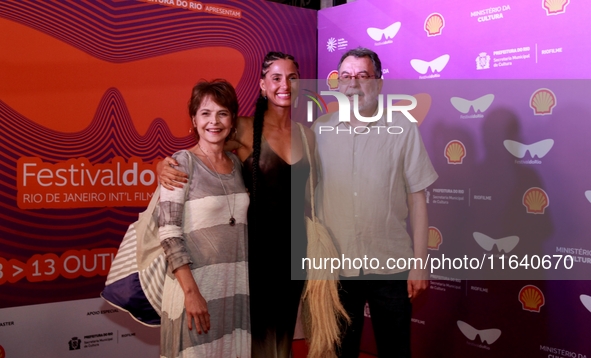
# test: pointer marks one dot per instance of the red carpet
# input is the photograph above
(300, 350)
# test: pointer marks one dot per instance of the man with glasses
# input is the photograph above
(371, 181)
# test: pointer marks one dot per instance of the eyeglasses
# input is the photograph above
(361, 77)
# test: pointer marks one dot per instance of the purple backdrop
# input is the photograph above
(506, 130)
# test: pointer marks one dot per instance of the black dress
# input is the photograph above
(274, 296)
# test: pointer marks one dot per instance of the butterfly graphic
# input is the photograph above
(506, 244)
(586, 301)
(488, 336)
(480, 104)
(436, 65)
(588, 195)
(538, 149)
(389, 31)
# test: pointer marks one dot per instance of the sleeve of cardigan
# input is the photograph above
(171, 211)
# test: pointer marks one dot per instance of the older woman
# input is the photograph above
(203, 232)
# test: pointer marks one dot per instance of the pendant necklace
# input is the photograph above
(232, 221)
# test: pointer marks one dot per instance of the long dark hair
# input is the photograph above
(259, 117)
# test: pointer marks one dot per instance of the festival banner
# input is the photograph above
(92, 95)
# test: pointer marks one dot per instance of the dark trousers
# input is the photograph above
(390, 310)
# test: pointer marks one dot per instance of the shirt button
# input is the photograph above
(355, 193)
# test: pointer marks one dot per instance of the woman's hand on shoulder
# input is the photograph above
(168, 176)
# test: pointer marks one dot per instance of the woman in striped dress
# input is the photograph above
(205, 307)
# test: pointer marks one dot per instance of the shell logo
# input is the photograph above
(332, 80)
(455, 151)
(531, 298)
(542, 101)
(435, 238)
(535, 200)
(554, 7)
(434, 23)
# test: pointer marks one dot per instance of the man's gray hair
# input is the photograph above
(361, 52)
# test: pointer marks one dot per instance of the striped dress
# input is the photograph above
(196, 231)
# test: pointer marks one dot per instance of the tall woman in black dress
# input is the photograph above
(275, 171)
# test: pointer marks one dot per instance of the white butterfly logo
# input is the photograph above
(389, 31)
(588, 195)
(488, 336)
(436, 65)
(586, 300)
(539, 149)
(480, 104)
(506, 244)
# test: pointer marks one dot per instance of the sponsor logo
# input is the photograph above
(455, 151)
(482, 61)
(538, 149)
(479, 104)
(535, 201)
(389, 32)
(331, 44)
(436, 65)
(542, 102)
(505, 244)
(332, 80)
(2, 352)
(488, 336)
(531, 298)
(554, 7)
(491, 13)
(74, 343)
(586, 301)
(434, 24)
(435, 238)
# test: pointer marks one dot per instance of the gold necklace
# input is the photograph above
(232, 221)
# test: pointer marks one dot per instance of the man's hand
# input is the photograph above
(418, 281)
(168, 176)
